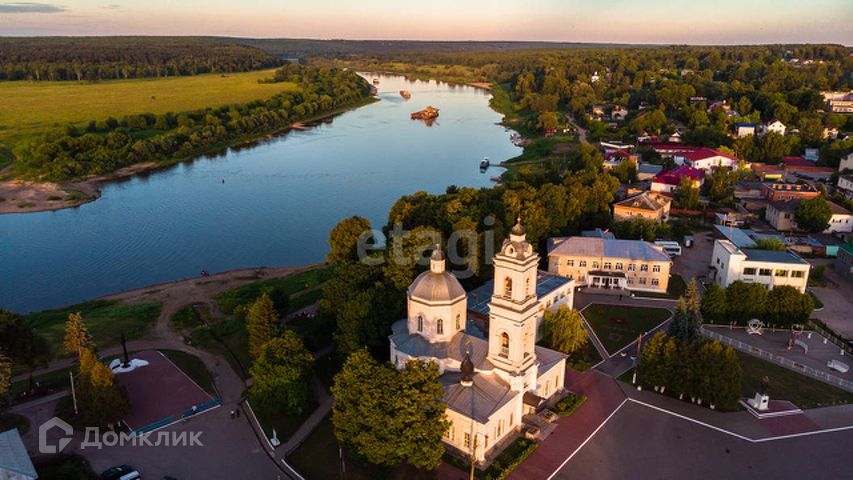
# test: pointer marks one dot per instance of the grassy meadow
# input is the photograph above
(32, 108)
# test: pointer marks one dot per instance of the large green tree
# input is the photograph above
(813, 214)
(262, 323)
(281, 375)
(344, 238)
(786, 306)
(101, 400)
(23, 344)
(564, 330)
(687, 319)
(745, 301)
(77, 336)
(714, 304)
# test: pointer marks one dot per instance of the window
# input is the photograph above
(486, 441)
(797, 274)
(781, 273)
(632, 267)
(630, 281)
(507, 287)
(749, 271)
(642, 281)
(764, 272)
(420, 323)
(618, 266)
(526, 287)
(656, 268)
(583, 263)
(608, 265)
(570, 263)
(504, 345)
(644, 268)
(439, 326)
(511, 419)
(467, 440)
(458, 321)
(595, 264)
(655, 282)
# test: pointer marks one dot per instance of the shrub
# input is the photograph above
(568, 405)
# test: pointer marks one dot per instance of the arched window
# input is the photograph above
(458, 321)
(439, 326)
(504, 344)
(420, 323)
(507, 287)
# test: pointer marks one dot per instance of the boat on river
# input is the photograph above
(428, 113)
(405, 94)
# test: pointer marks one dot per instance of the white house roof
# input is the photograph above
(605, 247)
(13, 455)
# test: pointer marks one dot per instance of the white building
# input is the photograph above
(768, 267)
(705, 159)
(845, 185)
(744, 129)
(489, 383)
(846, 163)
(773, 126)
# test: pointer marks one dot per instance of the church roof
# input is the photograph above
(433, 287)
(485, 396)
(417, 346)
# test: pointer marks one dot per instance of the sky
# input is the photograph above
(618, 21)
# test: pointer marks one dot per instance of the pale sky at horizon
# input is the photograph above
(618, 21)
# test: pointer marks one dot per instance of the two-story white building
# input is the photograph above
(773, 126)
(845, 185)
(770, 268)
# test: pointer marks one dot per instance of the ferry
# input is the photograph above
(428, 113)
(405, 94)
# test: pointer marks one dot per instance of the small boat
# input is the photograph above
(484, 163)
(428, 113)
(376, 81)
(405, 94)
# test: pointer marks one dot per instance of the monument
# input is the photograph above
(761, 401)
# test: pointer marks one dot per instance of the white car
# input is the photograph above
(838, 366)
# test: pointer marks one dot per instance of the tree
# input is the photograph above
(687, 318)
(564, 330)
(262, 323)
(770, 243)
(651, 369)
(687, 195)
(101, 401)
(344, 237)
(813, 215)
(23, 344)
(745, 301)
(387, 416)
(5, 376)
(281, 375)
(787, 306)
(714, 304)
(547, 121)
(77, 337)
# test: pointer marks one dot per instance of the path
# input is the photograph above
(581, 131)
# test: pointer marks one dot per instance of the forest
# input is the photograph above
(105, 145)
(107, 58)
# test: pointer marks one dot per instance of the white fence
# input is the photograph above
(780, 360)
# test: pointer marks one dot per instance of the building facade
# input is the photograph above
(669, 181)
(778, 191)
(647, 205)
(490, 383)
(610, 263)
(767, 267)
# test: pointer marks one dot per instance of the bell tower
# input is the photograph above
(513, 311)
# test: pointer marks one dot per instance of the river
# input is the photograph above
(276, 206)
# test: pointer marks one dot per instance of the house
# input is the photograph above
(489, 382)
(770, 268)
(844, 261)
(773, 126)
(744, 129)
(747, 190)
(778, 191)
(597, 112)
(675, 137)
(669, 181)
(780, 214)
(845, 185)
(798, 167)
(697, 157)
(841, 219)
(838, 102)
(830, 133)
(768, 172)
(647, 171)
(613, 158)
(610, 263)
(618, 113)
(647, 205)
(829, 244)
(15, 463)
(738, 236)
(846, 163)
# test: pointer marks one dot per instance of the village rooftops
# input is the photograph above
(603, 247)
(737, 236)
(790, 187)
(674, 176)
(645, 201)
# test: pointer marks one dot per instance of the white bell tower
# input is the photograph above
(513, 312)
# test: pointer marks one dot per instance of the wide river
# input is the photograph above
(276, 206)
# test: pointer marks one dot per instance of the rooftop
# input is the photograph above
(603, 247)
(674, 176)
(479, 298)
(790, 187)
(772, 256)
(645, 201)
(13, 456)
(737, 236)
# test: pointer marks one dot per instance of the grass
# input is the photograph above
(284, 425)
(106, 320)
(675, 289)
(584, 358)
(616, 326)
(31, 108)
(513, 456)
(54, 380)
(817, 303)
(296, 291)
(188, 317)
(229, 339)
(194, 368)
(9, 421)
(786, 384)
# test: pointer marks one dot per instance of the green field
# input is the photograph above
(616, 326)
(31, 108)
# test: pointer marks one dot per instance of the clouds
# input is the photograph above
(30, 7)
(111, 6)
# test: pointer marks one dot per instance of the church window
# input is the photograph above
(504, 345)
(467, 440)
(607, 265)
(526, 287)
(439, 326)
(458, 321)
(486, 442)
(511, 419)
(507, 287)
(420, 323)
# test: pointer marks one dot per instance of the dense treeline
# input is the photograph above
(106, 145)
(663, 89)
(107, 58)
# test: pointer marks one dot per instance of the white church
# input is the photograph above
(489, 384)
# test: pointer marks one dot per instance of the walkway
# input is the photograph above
(581, 131)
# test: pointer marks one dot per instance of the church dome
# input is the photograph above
(436, 285)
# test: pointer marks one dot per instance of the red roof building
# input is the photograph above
(668, 182)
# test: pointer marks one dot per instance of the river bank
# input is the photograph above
(25, 196)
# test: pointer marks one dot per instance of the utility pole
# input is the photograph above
(637, 359)
(73, 393)
(473, 455)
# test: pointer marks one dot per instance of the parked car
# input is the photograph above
(123, 472)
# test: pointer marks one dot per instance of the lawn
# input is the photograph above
(284, 425)
(786, 384)
(54, 380)
(296, 291)
(616, 326)
(106, 320)
(194, 368)
(31, 108)
(228, 339)
(675, 289)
